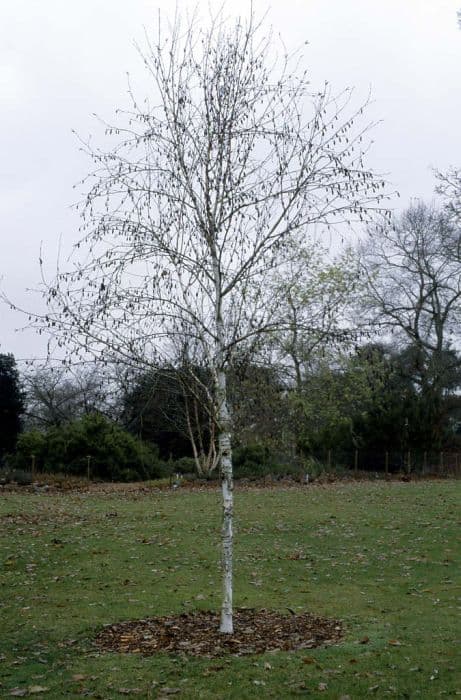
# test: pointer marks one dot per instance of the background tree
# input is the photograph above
(336, 396)
(169, 406)
(430, 422)
(449, 187)
(371, 400)
(58, 394)
(413, 274)
(316, 292)
(11, 403)
(257, 394)
(189, 211)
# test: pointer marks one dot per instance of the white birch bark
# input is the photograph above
(225, 453)
(225, 450)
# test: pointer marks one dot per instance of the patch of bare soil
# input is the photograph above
(197, 634)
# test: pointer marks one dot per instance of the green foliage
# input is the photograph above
(251, 460)
(11, 403)
(336, 396)
(112, 453)
(183, 465)
(257, 460)
(375, 401)
(31, 442)
(259, 407)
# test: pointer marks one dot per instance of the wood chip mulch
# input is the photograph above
(197, 634)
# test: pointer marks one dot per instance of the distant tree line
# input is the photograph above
(369, 359)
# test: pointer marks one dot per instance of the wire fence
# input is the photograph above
(420, 462)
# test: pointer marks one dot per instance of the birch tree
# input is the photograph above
(192, 201)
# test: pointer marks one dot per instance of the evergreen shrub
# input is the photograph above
(113, 453)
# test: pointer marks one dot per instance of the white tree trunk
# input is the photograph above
(225, 453)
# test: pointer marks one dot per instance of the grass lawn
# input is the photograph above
(379, 556)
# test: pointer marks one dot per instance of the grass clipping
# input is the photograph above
(197, 634)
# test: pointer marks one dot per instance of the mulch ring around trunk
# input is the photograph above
(197, 634)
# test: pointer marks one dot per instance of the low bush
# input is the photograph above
(91, 443)
(21, 477)
(183, 465)
(255, 461)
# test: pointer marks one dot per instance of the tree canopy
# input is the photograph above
(193, 204)
(11, 403)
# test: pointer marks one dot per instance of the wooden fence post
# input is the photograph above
(386, 463)
(32, 464)
(88, 471)
(356, 461)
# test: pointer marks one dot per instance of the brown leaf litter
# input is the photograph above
(197, 634)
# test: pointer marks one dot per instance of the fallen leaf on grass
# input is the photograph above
(364, 640)
(394, 643)
(323, 686)
(212, 669)
(78, 677)
(18, 692)
(170, 691)
(34, 689)
(129, 691)
(296, 555)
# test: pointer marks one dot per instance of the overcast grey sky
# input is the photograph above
(63, 61)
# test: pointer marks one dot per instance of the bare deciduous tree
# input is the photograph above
(188, 213)
(449, 186)
(413, 272)
(57, 395)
